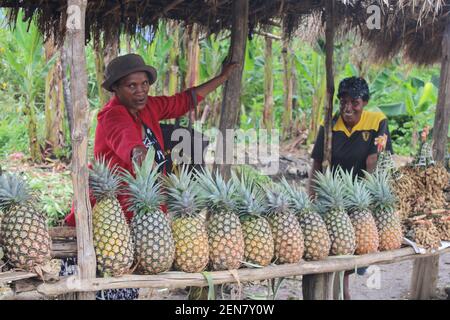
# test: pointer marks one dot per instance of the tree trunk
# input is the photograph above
(35, 149)
(54, 102)
(103, 95)
(442, 116)
(268, 85)
(83, 212)
(193, 54)
(110, 52)
(288, 86)
(232, 91)
(329, 47)
(173, 59)
(66, 89)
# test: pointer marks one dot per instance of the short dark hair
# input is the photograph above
(355, 87)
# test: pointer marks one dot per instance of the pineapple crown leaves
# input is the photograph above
(14, 190)
(144, 189)
(379, 186)
(104, 179)
(277, 200)
(358, 196)
(215, 192)
(182, 193)
(250, 196)
(298, 199)
(329, 191)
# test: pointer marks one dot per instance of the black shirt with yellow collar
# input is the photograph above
(351, 149)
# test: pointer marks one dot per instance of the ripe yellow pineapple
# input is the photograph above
(150, 228)
(258, 239)
(387, 220)
(23, 235)
(286, 230)
(226, 242)
(189, 223)
(317, 239)
(112, 239)
(330, 203)
(358, 202)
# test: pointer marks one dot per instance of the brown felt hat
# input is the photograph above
(123, 66)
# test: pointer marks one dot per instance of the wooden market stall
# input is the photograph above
(407, 29)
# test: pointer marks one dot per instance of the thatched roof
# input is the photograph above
(414, 26)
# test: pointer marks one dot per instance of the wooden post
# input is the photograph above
(329, 47)
(268, 85)
(321, 286)
(288, 88)
(83, 213)
(232, 90)
(424, 278)
(442, 117)
(318, 287)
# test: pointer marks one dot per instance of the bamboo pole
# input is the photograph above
(83, 212)
(181, 279)
(232, 89)
(442, 117)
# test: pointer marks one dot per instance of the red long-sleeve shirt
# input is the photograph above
(118, 132)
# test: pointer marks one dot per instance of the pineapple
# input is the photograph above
(286, 230)
(331, 204)
(358, 202)
(387, 220)
(150, 228)
(189, 225)
(317, 239)
(112, 239)
(258, 238)
(23, 235)
(226, 242)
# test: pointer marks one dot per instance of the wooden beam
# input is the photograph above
(442, 116)
(424, 278)
(232, 90)
(321, 286)
(10, 276)
(329, 48)
(83, 212)
(181, 279)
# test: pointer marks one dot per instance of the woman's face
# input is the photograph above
(132, 91)
(351, 109)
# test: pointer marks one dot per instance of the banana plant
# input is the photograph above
(24, 54)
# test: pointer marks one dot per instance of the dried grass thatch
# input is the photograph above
(414, 27)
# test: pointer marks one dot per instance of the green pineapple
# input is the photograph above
(317, 239)
(189, 222)
(23, 235)
(387, 220)
(330, 202)
(286, 230)
(112, 239)
(358, 202)
(258, 239)
(226, 242)
(150, 228)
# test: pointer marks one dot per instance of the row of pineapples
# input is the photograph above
(210, 221)
(228, 224)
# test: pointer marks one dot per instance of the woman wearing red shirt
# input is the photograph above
(128, 125)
